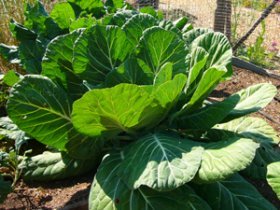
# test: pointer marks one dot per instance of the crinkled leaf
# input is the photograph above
(234, 193)
(5, 189)
(57, 64)
(63, 14)
(273, 177)
(11, 78)
(136, 25)
(54, 166)
(98, 51)
(120, 17)
(191, 35)
(224, 158)
(41, 108)
(10, 130)
(252, 99)
(164, 162)
(109, 192)
(158, 46)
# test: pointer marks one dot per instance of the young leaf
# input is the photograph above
(273, 177)
(158, 46)
(41, 109)
(108, 192)
(98, 51)
(82, 22)
(234, 193)
(54, 166)
(252, 99)
(11, 78)
(164, 162)
(63, 14)
(218, 162)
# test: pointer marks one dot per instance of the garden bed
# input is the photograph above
(73, 193)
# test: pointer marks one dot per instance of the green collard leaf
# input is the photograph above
(5, 189)
(82, 147)
(11, 78)
(57, 64)
(9, 53)
(63, 14)
(218, 162)
(109, 192)
(252, 99)
(191, 35)
(181, 22)
(266, 154)
(273, 177)
(41, 109)
(158, 46)
(132, 71)
(234, 193)
(110, 111)
(251, 127)
(136, 25)
(209, 80)
(82, 22)
(21, 32)
(164, 74)
(94, 7)
(208, 116)
(164, 162)
(120, 17)
(149, 10)
(114, 5)
(54, 166)
(30, 54)
(218, 47)
(187, 28)
(98, 51)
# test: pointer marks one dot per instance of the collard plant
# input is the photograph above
(129, 95)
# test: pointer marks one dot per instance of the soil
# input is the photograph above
(73, 193)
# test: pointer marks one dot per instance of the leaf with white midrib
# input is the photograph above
(41, 109)
(164, 162)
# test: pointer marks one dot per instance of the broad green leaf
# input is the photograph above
(273, 177)
(136, 25)
(41, 109)
(114, 5)
(169, 26)
(11, 78)
(109, 192)
(191, 35)
(224, 158)
(82, 22)
(110, 111)
(121, 17)
(9, 53)
(57, 64)
(164, 74)
(98, 51)
(63, 14)
(132, 71)
(5, 189)
(234, 193)
(21, 32)
(267, 153)
(82, 147)
(159, 46)
(208, 116)
(164, 162)
(251, 127)
(252, 99)
(54, 166)
(151, 11)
